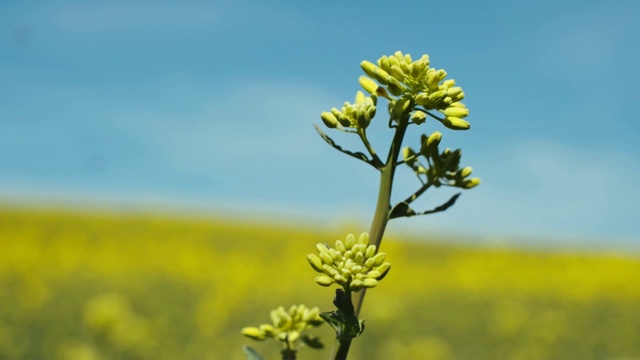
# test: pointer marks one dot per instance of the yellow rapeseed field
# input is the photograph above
(89, 286)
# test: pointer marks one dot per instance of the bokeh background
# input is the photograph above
(160, 181)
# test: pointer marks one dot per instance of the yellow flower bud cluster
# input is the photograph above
(357, 115)
(286, 326)
(427, 86)
(352, 263)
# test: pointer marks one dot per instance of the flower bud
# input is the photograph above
(324, 280)
(369, 283)
(340, 246)
(455, 111)
(422, 99)
(418, 117)
(397, 73)
(407, 152)
(455, 123)
(394, 86)
(384, 63)
(254, 333)
(465, 172)
(454, 91)
(384, 270)
(315, 262)
(379, 258)
(470, 183)
(381, 76)
(431, 143)
(349, 241)
(329, 120)
(369, 68)
(400, 107)
(369, 85)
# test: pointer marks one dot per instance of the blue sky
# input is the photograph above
(209, 105)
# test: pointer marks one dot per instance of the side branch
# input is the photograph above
(358, 155)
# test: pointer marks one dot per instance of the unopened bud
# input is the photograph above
(329, 120)
(459, 112)
(455, 123)
(418, 117)
(369, 85)
(430, 143)
(470, 183)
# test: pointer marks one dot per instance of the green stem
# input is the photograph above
(343, 349)
(380, 220)
(381, 215)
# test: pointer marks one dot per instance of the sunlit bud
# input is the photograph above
(465, 172)
(418, 117)
(329, 270)
(458, 104)
(348, 254)
(393, 61)
(342, 119)
(293, 336)
(269, 330)
(383, 269)
(356, 285)
(326, 258)
(455, 111)
(454, 91)
(455, 123)
(400, 107)
(448, 83)
(340, 246)
(369, 283)
(431, 143)
(324, 280)
(432, 79)
(369, 68)
(254, 333)
(398, 55)
(417, 68)
(315, 262)
(350, 240)
(359, 258)
(359, 97)
(370, 251)
(397, 73)
(441, 75)
(394, 86)
(374, 274)
(369, 85)
(379, 259)
(381, 76)
(329, 120)
(407, 152)
(275, 318)
(334, 254)
(470, 183)
(284, 315)
(384, 63)
(422, 99)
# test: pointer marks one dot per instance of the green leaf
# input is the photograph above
(358, 155)
(403, 210)
(252, 354)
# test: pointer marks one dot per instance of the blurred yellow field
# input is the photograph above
(106, 286)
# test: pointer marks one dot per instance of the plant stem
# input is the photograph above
(343, 350)
(381, 215)
(379, 222)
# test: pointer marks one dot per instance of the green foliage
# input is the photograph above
(111, 286)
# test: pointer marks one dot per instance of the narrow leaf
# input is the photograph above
(358, 155)
(252, 354)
